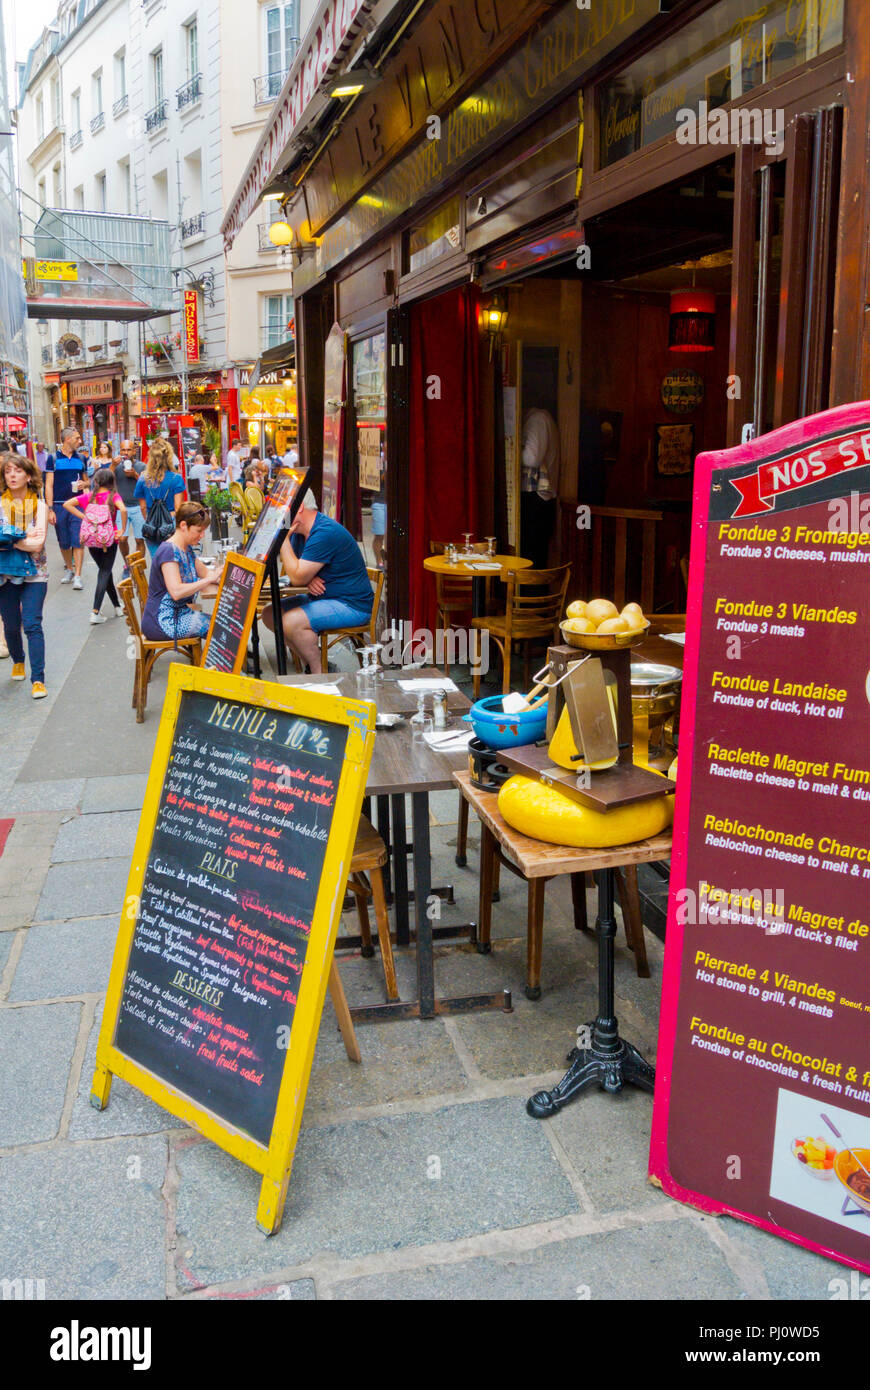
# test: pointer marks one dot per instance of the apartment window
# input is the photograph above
(97, 92)
(76, 103)
(125, 185)
(157, 76)
(277, 311)
(191, 48)
(40, 118)
(55, 102)
(56, 189)
(79, 197)
(40, 192)
(282, 40)
(120, 75)
(100, 182)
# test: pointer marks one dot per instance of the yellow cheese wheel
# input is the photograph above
(546, 814)
(672, 770)
(562, 745)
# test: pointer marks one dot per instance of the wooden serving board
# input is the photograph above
(621, 785)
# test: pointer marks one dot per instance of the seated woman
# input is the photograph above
(177, 576)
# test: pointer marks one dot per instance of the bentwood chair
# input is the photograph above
(453, 594)
(136, 566)
(147, 651)
(252, 505)
(365, 881)
(365, 635)
(527, 616)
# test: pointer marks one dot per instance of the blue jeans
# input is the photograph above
(21, 607)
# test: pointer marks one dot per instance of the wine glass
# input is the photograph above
(451, 554)
(421, 722)
(490, 545)
(468, 536)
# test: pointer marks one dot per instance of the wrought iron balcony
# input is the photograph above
(156, 117)
(192, 226)
(97, 122)
(189, 93)
(46, 355)
(76, 139)
(120, 106)
(266, 88)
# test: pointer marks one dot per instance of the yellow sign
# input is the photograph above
(225, 945)
(51, 270)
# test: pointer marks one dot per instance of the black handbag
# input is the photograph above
(160, 522)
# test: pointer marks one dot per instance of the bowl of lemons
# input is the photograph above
(599, 626)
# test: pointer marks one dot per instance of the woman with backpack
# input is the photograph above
(177, 577)
(103, 520)
(23, 565)
(159, 492)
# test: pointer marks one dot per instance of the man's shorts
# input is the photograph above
(379, 518)
(328, 614)
(134, 521)
(67, 527)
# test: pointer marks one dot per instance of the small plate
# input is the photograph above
(389, 721)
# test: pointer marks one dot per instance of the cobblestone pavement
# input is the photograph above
(418, 1174)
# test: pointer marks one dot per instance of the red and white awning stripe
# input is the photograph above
(321, 54)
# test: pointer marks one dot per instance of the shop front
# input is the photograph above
(206, 400)
(95, 403)
(267, 409)
(576, 235)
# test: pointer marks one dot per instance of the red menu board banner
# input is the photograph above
(762, 1101)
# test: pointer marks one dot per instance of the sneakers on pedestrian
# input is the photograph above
(39, 690)
(67, 576)
(98, 618)
(18, 671)
(119, 612)
(77, 582)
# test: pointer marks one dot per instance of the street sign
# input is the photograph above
(50, 270)
(231, 910)
(762, 1100)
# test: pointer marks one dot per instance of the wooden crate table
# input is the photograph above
(609, 1059)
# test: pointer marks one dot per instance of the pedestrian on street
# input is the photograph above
(234, 463)
(177, 577)
(291, 456)
(127, 469)
(199, 472)
(24, 577)
(159, 492)
(104, 457)
(65, 476)
(103, 517)
(41, 455)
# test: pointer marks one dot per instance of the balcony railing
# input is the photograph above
(266, 88)
(47, 355)
(156, 117)
(76, 139)
(120, 106)
(189, 93)
(192, 226)
(97, 122)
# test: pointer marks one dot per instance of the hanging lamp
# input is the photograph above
(692, 326)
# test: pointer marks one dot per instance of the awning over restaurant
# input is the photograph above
(321, 53)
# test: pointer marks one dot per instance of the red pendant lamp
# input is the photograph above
(693, 321)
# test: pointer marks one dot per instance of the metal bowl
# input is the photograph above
(605, 641)
(649, 678)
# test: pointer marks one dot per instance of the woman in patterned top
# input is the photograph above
(22, 597)
(177, 577)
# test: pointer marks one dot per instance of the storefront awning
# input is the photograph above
(321, 53)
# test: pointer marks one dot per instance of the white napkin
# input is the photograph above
(414, 686)
(320, 689)
(678, 637)
(481, 565)
(443, 741)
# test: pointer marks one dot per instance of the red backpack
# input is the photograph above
(98, 526)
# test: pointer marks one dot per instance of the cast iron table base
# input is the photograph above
(609, 1060)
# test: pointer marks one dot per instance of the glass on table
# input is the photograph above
(468, 537)
(490, 545)
(451, 554)
(422, 722)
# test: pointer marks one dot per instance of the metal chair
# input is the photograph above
(526, 616)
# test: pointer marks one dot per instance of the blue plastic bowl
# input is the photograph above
(499, 730)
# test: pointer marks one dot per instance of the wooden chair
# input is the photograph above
(453, 594)
(526, 616)
(252, 504)
(361, 636)
(136, 566)
(366, 881)
(147, 651)
(613, 540)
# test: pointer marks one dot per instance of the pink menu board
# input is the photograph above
(762, 1100)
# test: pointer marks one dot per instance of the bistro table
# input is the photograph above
(401, 766)
(477, 568)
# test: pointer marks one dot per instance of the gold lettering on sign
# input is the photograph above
(661, 104)
(617, 128)
(815, 14)
(488, 25)
(451, 50)
(754, 48)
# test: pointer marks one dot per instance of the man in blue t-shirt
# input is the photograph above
(332, 568)
(66, 475)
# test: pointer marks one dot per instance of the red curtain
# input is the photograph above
(444, 404)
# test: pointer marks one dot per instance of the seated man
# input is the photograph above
(332, 568)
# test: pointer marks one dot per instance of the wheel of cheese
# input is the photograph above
(562, 746)
(546, 814)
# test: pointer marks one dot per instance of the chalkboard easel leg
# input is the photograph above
(255, 647)
(270, 1207)
(100, 1087)
(280, 646)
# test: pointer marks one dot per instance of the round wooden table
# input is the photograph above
(439, 564)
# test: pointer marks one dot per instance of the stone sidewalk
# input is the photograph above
(418, 1174)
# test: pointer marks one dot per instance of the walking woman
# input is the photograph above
(159, 492)
(24, 577)
(177, 577)
(103, 517)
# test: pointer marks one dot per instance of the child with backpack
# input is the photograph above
(103, 521)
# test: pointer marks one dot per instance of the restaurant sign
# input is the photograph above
(556, 54)
(98, 389)
(191, 326)
(762, 1099)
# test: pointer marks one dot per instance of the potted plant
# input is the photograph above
(220, 504)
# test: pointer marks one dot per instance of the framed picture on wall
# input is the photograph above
(674, 449)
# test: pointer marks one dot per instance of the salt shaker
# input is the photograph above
(439, 709)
